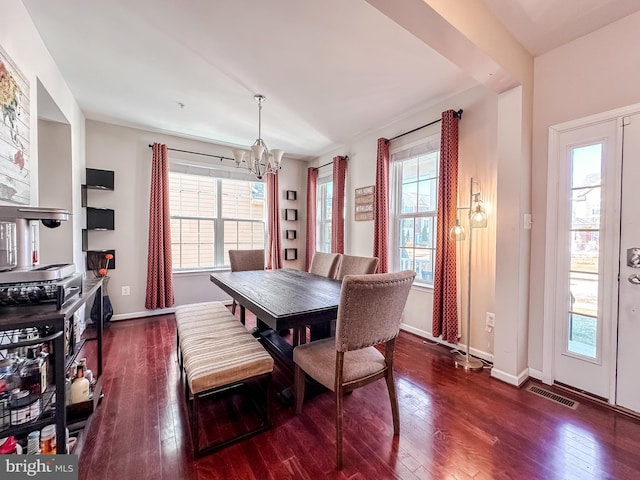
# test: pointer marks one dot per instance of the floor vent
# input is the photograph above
(553, 396)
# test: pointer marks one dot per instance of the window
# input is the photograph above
(210, 216)
(584, 248)
(415, 196)
(324, 199)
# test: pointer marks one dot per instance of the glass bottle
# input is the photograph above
(31, 373)
(80, 387)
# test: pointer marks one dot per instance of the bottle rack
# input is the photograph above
(56, 323)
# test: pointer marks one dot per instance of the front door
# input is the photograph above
(627, 385)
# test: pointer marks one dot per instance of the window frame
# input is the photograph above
(218, 220)
(426, 145)
(322, 207)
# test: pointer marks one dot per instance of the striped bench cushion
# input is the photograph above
(217, 350)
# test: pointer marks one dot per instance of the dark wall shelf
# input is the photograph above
(97, 218)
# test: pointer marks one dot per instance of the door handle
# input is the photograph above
(634, 279)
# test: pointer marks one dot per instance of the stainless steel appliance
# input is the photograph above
(18, 251)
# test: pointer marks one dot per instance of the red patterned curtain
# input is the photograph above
(159, 277)
(312, 183)
(445, 303)
(337, 207)
(381, 219)
(274, 255)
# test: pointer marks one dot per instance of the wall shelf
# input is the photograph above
(98, 219)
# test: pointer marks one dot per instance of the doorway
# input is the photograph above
(592, 309)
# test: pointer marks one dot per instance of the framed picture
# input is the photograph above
(15, 161)
(290, 234)
(364, 203)
(291, 195)
(290, 253)
(291, 214)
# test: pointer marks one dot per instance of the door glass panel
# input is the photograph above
(584, 281)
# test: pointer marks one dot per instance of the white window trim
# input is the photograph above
(321, 204)
(221, 172)
(398, 152)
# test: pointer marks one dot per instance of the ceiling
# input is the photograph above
(330, 69)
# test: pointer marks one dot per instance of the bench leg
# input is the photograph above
(263, 383)
(195, 425)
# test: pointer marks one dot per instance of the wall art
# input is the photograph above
(15, 182)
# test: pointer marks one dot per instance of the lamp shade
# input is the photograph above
(457, 232)
(277, 157)
(238, 155)
(478, 218)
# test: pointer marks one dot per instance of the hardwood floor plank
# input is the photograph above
(453, 424)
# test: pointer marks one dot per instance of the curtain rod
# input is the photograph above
(455, 114)
(198, 153)
(346, 157)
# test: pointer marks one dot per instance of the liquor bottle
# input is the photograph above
(31, 373)
(80, 387)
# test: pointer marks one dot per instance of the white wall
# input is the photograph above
(56, 186)
(477, 158)
(592, 74)
(126, 151)
(20, 39)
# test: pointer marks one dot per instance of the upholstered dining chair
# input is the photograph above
(369, 313)
(325, 264)
(352, 265)
(243, 260)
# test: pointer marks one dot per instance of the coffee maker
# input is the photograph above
(18, 246)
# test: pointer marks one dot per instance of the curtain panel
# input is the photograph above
(159, 292)
(381, 218)
(312, 185)
(274, 254)
(445, 296)
(337, 206)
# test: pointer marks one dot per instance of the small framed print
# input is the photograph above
(290, 234)
(291, 214)
(290, 253)
(364, 200)
(291, 195)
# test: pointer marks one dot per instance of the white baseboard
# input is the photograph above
(533, 373)
(516, 380)
(460, 346)
(145, 313)
(152, 313)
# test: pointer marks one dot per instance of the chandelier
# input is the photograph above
(260, 160)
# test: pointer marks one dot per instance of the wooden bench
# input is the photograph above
(216, 353)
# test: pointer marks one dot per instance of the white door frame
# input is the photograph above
(551, 244)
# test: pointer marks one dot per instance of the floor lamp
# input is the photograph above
(477, 219)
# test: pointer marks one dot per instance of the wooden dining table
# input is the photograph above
(283, 299)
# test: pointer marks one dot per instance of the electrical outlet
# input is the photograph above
(490, 319)
(126, 290)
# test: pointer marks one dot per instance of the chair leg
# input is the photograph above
(393, 397)
(339, 457)
(299, 380)
(233, 307)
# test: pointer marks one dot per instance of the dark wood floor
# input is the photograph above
(454, 425)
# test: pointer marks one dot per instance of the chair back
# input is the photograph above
(243, 260)
(370, 308)
(325, 264)
(352, 265)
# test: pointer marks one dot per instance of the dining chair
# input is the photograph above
(244, 260)
(369, 313)
(352, 265)
(325, 264)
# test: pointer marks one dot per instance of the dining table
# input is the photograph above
(283, 299)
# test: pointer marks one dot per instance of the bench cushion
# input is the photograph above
(217, 350)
